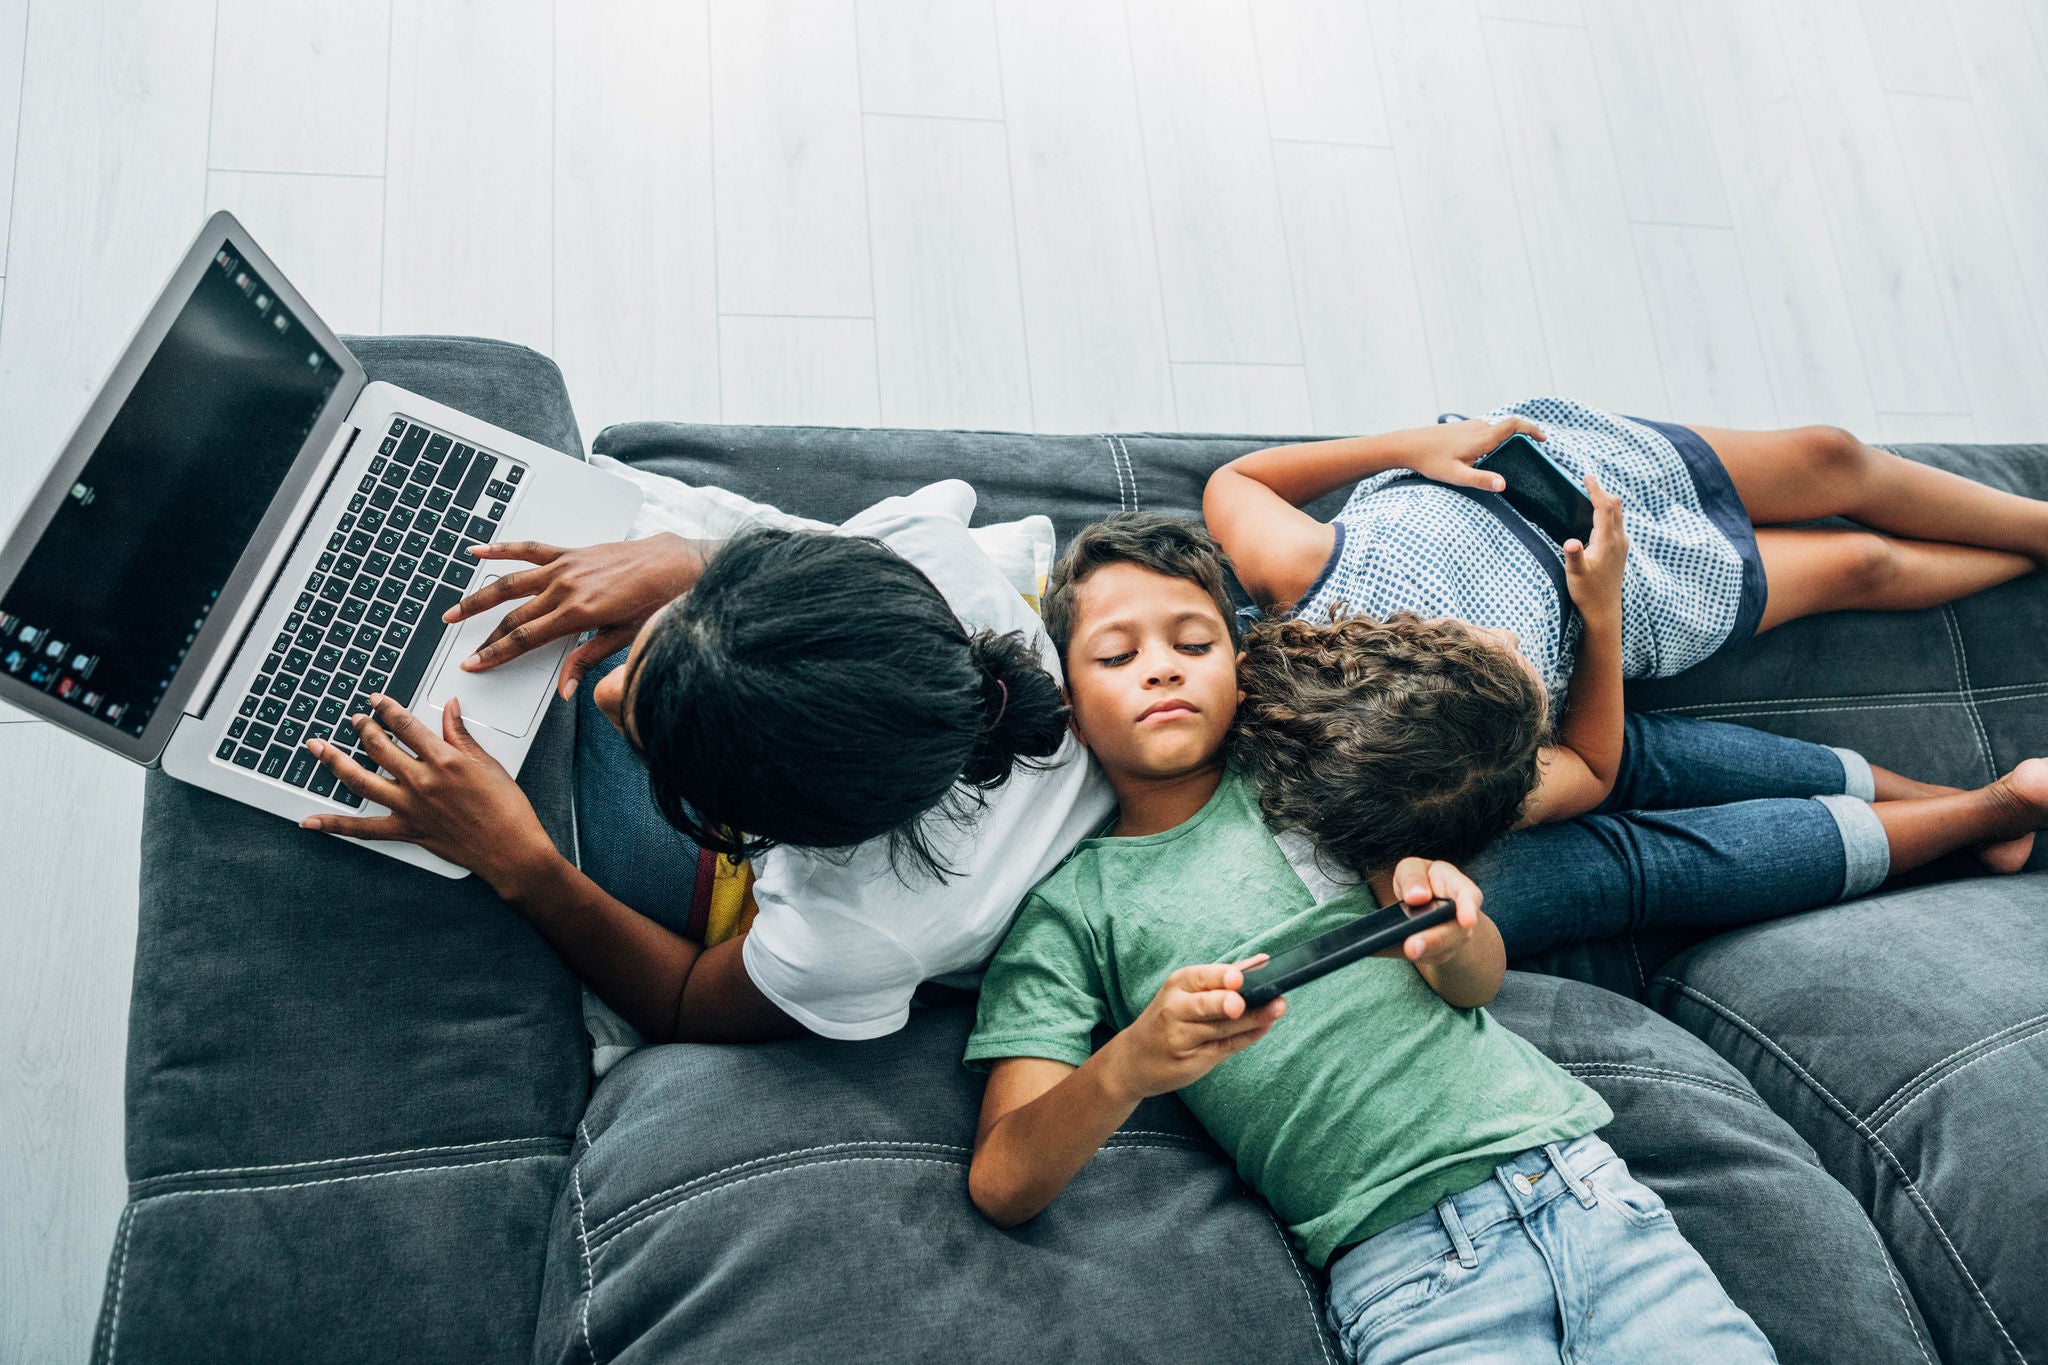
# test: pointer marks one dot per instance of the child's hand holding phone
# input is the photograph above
(1592, 572)
(1195, 1021)
(1446, 453)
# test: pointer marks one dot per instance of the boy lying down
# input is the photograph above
(1445, 1172)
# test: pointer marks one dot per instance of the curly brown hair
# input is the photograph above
(1385, 739)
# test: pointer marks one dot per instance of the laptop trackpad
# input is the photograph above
(505, 698)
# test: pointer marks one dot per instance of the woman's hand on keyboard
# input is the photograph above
(444, 793)
(611, 588)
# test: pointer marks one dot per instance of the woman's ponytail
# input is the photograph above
(1026, 718)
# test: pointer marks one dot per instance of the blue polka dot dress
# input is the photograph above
(1693, 583)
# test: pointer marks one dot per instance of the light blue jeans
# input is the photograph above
(1561, 1256)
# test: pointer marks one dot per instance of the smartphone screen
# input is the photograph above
(1541, 491)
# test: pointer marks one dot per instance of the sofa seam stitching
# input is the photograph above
(1955, 642)
(1742, 710)
(1929, 694)
(1115, 470)
(1933, 1067)
(870, 1144)
(1667, 1076)
(1940, 1080)
(1884, 1257)
(343, 1179)
(331, 1160)
(113, 1324)
(1898, 1167)
(1315, 1319)
(1131, 468)
(583, 1235)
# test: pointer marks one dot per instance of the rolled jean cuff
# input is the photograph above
(1857, 779)
(1866, 850)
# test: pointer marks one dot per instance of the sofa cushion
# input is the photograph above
(394, 1060)
(808, 1200)
(1906, 1037)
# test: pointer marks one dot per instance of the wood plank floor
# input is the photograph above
(1056, 215)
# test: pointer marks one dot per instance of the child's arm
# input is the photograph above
(1578, 774)
(1463, 961)
(1041, 1120)
(1253, 504)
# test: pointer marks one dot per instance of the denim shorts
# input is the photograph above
(1561, 1255)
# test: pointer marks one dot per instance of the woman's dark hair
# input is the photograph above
(1382, 739)
(1151, 540)
(816, 691)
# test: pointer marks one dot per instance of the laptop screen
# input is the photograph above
(111, 598)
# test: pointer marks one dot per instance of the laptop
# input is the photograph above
(245, 538)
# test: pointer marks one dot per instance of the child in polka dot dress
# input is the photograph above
(1705, 563)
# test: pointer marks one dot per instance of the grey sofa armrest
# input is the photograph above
(352, 1084)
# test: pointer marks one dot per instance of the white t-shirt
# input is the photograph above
(840, 942)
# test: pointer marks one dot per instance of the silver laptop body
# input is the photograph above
(245, 537)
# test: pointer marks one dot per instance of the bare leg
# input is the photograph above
(1812, 472)
(1923, 828)
(1809, 571)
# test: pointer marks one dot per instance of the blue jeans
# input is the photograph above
(624, 844)
(1562, 1250)
(1709, 826)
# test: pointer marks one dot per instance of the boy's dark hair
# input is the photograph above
(1382, 739)
(1151, 540)
(816, 691)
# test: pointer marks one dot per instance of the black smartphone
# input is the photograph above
(1541, 491)
(1325, 953)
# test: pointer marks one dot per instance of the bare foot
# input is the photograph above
(2026, 786)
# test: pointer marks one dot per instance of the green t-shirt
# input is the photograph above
(1369, 1101)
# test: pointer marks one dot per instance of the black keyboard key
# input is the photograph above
(422, 588)
(297, 661)
(261, 687)
(355, 504)
(270, 664)
(409, 611)
(480, 528)
(294, 621)
(437, 449)
(346, 524)
(301, 770)
(367, 637)
(415, 544)
(390, 590)
(422, 473)
(328, 714)
(397, 426)
(314, 580)
(322, 613)
(497, 511)
(343, 686)
(497, 490)
(473, 482)
(275, 760)
(326, 561)
(305, 602)
(405, 566)
(459, 573)
(341, 634)
(419, 652)
(438, 498)
(249, 705)
(347, 797)
(372, 520)
(445, 543)
(283, 685)
(412, 495)
(373, 683)
(320, 730)
(515, 473)
(456, 466)
(393, 476)
(379, 465)
(359, 705)
(248, 758)
(398, 635)
(364, 586)
(302, 707)
(356, 662)
(271, 712)
(239, 727)
(323, 780)
(347, 565)
(282, 643)
(409, 447)
(317, 682)
(380, 613)
(334, 590)
(385, 660)
(309, 637)
(400, 518)
(383, 497)
(389, 540)
(387, 445)
(433, 564)
(259, 736)
(226, 749)
(369, 482)
(427, 523)
(352, 610)
(290, 733)
(378, 563)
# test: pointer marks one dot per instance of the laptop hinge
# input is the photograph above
(273, 564)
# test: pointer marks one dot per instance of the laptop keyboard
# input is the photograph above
(369, 617)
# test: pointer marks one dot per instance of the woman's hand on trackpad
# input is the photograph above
(610, 588)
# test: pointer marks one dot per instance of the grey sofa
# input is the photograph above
(361, 1124)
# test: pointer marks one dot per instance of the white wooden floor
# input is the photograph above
(1279, 215)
